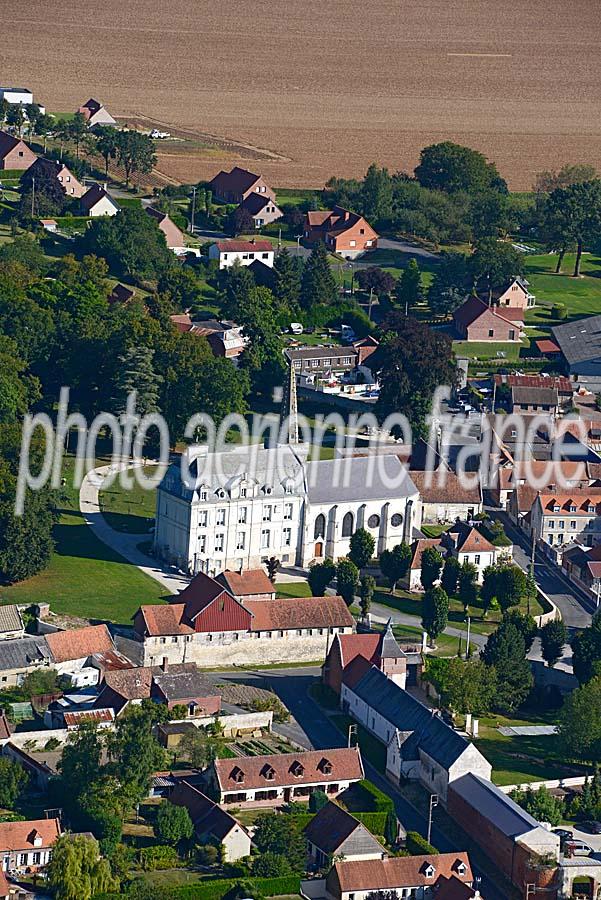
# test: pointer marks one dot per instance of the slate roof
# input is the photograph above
(93, 195)
(345, 762)
(237, 180)
(184, 684)
(381, 477)
(580, 340)
(495, 805)
(7, 143)
(304, 612)
(335, 831)
(207, 816)
(10, 619)
(24, 652)
(406, 713)
(255, 203)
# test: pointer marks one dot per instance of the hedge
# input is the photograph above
(375, 799)
(418, 845)
(373, 821)
(218, 887)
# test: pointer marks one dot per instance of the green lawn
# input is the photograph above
(129, 511)
(286, 589)
(371, 748)
(486, 350)
(521, 759)
(582, 296)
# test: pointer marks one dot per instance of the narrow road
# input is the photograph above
(382, 614)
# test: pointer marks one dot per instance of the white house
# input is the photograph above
(419, 743)
(244, 505)
(98, 202)
(242, 252)
(444, 875)
(18, 95)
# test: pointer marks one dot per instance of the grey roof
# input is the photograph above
(389, 647)
(184, 685)
(349, 479)
(530, 396)
(580, 340)
(405, 712)
(10, 619)
(22, 653)
(334, 831)
(305, 353)
(498, 807)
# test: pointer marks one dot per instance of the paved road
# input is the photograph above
(292, 686)
(382, 614)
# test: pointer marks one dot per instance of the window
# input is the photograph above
(572, 507)
(203, 518)
(396, 520)
(573, 524)
(203, 493)
(562, 524)
(320, 526)
(220, 517)
(512, 334)
(477, 559)
(265, 539)
(287, 537)
(22, 859)
(265, 255)
(491, 332)
(288, 508)
(37, 858)
(352, 243)
(267, 512)
(225, 255)
(347, 525)
(551, 523)
(240, 540)
(374, 521)
(243, 492)
(219, 543)
(242, 514)
(202, 543)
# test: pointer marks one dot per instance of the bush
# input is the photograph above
(318, 800)
(418, 845)
(373, 821)
(208, 855)
(158, 857)
(374, 799)
(559, 311)
(219, 888)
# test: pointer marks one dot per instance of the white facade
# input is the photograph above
(104, 207)
(228, 257)
(18, 95)
(482, 559)
(248, 504)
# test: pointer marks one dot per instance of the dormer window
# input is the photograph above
(203, 493)
(35, 838)
(297, 769)
(268, 489)
(325, 766)
(555, 507)
(429, 870)
(460, 867)
(268, 772)
(237, 775)
(221, 493)
(591, 508)
(572, 507)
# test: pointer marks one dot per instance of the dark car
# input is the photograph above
(563, 834)
(592, 827)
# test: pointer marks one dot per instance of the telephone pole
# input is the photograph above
(33, 197)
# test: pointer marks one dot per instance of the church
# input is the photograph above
(236, 508)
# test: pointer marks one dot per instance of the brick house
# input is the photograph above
(418, 877)
(262, 208)
(279, 778)
(50, 168)
(173, 235)
(14, 153)
(26, 847)
(381, 650)
(237, 185)
(342, 231)
(476, 321)
(515, 295)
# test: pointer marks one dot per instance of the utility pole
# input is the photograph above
(371, 300)
(433, 803)
(467, 647)
(530, 890)
(33, 197)
(193, 210)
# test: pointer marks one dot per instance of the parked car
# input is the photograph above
(563, 834)
(296, 328)
(576, 848)
(592, 826)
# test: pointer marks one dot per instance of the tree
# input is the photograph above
(579, 725)
(76, 871)
(281, 835)
(541, 804)
(136, 374)
(431, 566)
(287, 282)
(40, 682)
(375, 279)
(106, 144)
(524, 623)
(452, 168)
(409, 291)
(362, 546)
(394, 564)
(271, 865)
(435, 612)
(13, 779)
(586, 651)
(469, 686)
(318, 285)
(263, 358)
(506, 652)
(318, 800)
(15, 117)
(131, 243)
(547, 181)
(347, 579)
(320, 576)
(273, 566)
(198, 747)
(493, 264)
(510, 586)
(49, 197)
(241, 222)
(134, 752)
(450, 575)
(135, 152)
(78, 127)
(376, 194)
(554, 636)
(173, 824)
(468, 584)
(572, 215)
(367, 588)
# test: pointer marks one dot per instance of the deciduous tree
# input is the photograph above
(553, 639)
(394, 564)
(435, 612)
(362, 546)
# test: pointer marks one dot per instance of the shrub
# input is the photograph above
(208, 855)
(373, 821)
(374, 799)
(318, 800)
(158, 857)
(418, 845)
(559, 311)
(229, 889)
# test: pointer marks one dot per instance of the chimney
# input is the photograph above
(165, 664)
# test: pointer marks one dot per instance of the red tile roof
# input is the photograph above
(353, 645)
(182, 322)
(474, 307)
(546, 346)
(21, 835)
(303, 612)
(473, 541)
(97, 716)
(78, 643)
(581, 499)
(162, 620)
(305, 767)
(563, 384)
(243, 246)
(244, 584)
(396, 872)
(449, 490)
(418, 548)
(199, 594)
(4, 886)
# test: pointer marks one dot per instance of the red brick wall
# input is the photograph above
(478, 330)
(20, 157)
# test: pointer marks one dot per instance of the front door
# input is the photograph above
(318, 550)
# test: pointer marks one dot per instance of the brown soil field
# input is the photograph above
(325, 87)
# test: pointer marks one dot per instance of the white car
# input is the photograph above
(296, 328)
(575, 847)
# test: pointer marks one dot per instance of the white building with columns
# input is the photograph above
(235, 509)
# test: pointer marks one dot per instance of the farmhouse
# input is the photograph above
(445, 498)
(535, 400)
(95, 113)
(44, 169)
(98, 202)
(21, 656)
(275, 779)
(211, 822)
(14, 153)
(242, 252)
(208, 625)
(26, 847)
(262, 208)
(173, 685)
(237, 185)
(410, 876)
(335, 834)
(173, 236)
(11, 623)
(419, 743)
(476, 321)
(342, 231)
(559, 383)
